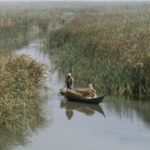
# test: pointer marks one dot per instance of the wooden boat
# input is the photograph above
(72, 95)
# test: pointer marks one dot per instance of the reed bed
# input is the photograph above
(20, 105)
(19, 26)
(107, 48)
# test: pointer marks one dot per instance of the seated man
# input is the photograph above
(88, 92)
(91, 91)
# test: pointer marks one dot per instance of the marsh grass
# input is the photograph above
(20, 105)
(18, 74)
(14, 33)
(19, 26)
(108, 49)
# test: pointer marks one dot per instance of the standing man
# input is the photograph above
(69, 81)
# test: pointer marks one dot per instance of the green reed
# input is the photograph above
(18, 26)
(108, 49)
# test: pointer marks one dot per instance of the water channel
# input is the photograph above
(117, 123)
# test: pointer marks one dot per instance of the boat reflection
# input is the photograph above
(87, 109)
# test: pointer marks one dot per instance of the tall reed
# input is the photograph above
(108, 49)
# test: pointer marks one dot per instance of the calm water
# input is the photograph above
(118, 123)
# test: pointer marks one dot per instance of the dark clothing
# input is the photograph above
(68, 85)
(69, 82)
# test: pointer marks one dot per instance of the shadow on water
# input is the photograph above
(87, 109)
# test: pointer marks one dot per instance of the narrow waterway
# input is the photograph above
(118, 123)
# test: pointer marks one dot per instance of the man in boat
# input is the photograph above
(69, 81)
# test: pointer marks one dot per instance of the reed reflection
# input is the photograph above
(127, 108)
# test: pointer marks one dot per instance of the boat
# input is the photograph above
(72, 95)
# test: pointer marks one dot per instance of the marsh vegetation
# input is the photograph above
(20, 105)
(106, 46)
(20, 76)
(19, 23)
(102, 43)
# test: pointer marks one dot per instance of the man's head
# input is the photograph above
(69, 74)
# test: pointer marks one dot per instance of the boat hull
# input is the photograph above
(72, 96)
(90, 101)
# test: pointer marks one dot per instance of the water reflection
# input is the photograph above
(87, 109)
(127, 108)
